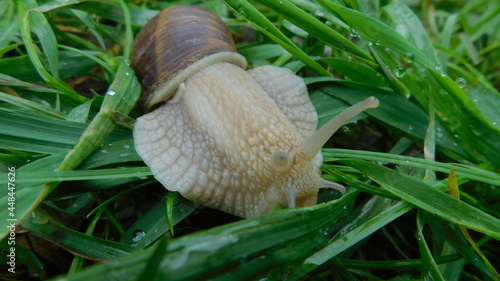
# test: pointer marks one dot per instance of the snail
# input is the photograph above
(230, 139)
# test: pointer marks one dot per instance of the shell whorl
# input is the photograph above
(176, 43)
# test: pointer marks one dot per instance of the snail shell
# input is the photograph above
(235, 140)
(174, 44)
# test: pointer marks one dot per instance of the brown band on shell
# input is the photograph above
(179, 40)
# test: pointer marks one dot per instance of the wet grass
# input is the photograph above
(421, 170)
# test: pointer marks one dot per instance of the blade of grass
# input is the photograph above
(41, 27)
(25, 24)
(429, 198)
(78, 243)
(251, 14)
(377, 32)
(429, 266)
(356, 235)
(121, 96)
(262, 242)
(465, 171)
(32, 106)
(409, 25)
(153, 224)
(453, 189)
(314, 27)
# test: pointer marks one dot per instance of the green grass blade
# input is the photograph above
(153, 224)
(120, 97)
(85, 245)
(35, 177)
(456, 240)
(429, 198)
(378, 32)
(31, 106)
(462, 170)
(251, 14)
(31, 132)
(262, 242)
(409, 25)
(314, 27)
(430, 268)
(35, 59)
(41, 27)
(357, 234)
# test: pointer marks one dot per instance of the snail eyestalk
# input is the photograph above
(313, 144)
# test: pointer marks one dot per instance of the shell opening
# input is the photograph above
(165, 91)
(312, 145)
(281, 162)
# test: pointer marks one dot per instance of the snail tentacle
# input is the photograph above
(313, 144)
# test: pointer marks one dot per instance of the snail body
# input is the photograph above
(235, 140)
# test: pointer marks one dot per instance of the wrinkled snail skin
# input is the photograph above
(235, 140)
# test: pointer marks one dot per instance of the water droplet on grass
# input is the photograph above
(138, 235)
(409, 57)
(461, 82)
(353, 33)
(399, 71)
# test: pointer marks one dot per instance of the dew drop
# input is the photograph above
(461, 82)
(353, 33)
(111, 92)
(438, 67)
(104, 151)
(320, 12)
(411, 127)
(127, 73)
(126, 146)
(370, 43)
(138, 235)
(349, 57)
(439, 133)
(409, 57)
(399, 71)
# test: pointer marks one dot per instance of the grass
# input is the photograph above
(86, 207)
